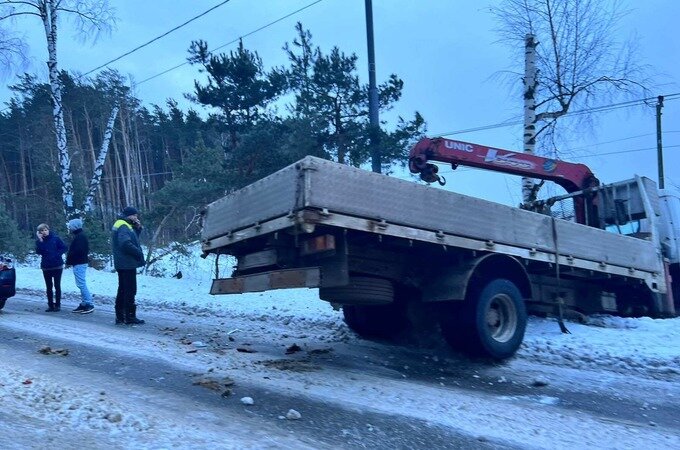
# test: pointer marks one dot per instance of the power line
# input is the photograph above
(602, 108)
(179, 26)
(620, 140)
(157, 37)
(482, 128)
(233, 41)
(618, 152)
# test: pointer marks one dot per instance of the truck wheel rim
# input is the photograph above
(501, 318)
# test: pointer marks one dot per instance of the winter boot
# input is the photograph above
(131, 318)
(120, 312)
(135, 321)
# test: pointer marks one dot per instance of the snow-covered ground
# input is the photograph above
(610, 346)
(644, 345)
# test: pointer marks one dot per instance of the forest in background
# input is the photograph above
(249, 121)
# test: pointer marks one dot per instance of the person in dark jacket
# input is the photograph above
(77, 257)
(127, 257)
(51, 249)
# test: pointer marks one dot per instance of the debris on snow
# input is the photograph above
(292, 365)
(221, 384)
(247, 401)
(319, 351)
(245, 350)
(293, 349)
(114, 417)
(49, 351)
(210, 384)
(539, 382)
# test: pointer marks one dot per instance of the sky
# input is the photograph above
(594, 354)
(448, 54)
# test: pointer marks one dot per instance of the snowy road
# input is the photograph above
(177, 382)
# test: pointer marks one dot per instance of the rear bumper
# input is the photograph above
(280, 279)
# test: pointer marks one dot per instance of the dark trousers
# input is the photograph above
(53, 281)
(125, 297)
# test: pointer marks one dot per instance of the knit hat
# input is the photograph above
(75, 224)
(129, 211)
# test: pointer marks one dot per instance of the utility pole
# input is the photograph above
(659, 147)
(374, 122)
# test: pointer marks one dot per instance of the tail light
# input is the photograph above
(318, 244)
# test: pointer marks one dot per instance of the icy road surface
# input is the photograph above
(187, 377)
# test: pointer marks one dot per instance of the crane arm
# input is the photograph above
(572, 177)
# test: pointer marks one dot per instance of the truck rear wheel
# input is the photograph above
(375, 321)
(2, 302)
(489, 323)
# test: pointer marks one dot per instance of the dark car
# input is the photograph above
(8, 278)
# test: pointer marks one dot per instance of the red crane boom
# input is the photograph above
(572, 177)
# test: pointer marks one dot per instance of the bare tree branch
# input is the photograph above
(16, 14)
(579, 61)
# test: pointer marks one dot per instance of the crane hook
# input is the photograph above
(429, 174)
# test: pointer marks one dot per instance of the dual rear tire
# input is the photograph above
(375, 321)
(490, 323)
(369, 306)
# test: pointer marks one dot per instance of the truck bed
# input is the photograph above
(413, 211)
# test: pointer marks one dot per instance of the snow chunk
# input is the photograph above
(293, 415)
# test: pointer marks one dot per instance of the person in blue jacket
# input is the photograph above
(51, 249)
(127, 257)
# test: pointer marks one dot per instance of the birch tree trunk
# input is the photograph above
(101, 159)
(581, 61)
(139, 175)
(530, 83)
(123, 175)
(23, 157)
(48, 14)
(90, 17)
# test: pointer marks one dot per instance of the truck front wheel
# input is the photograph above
(489, 323)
